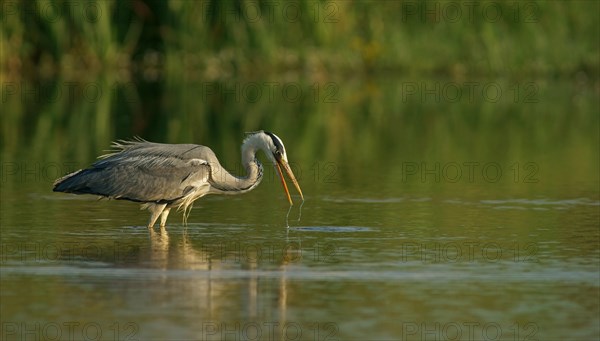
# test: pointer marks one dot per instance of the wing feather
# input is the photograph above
(144, 171)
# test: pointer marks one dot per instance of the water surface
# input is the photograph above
(392, 244)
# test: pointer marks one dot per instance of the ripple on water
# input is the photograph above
(539, 204)
(364, 200)
(332, 228)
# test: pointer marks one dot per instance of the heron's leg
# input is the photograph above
(163, 216)
(155, 211)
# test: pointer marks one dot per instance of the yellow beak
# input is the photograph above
(288, 170)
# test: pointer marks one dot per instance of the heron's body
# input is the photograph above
(163, 176)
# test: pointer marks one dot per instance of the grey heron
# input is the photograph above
(163, 176)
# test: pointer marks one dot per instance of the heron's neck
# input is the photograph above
(224, 182)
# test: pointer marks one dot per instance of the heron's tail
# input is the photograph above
(76, 182)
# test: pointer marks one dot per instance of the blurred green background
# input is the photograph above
(227, 39)
(372, 84)
(77, 74)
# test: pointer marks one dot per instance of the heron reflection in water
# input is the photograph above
(163, 176)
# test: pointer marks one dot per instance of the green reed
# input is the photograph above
(219, 39)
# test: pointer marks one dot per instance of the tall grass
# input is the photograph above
(215, 39)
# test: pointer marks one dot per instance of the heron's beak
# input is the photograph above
(288, 170)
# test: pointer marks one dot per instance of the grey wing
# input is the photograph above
(144, 172)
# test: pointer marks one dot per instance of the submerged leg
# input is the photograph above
(163, 216)
(155, 211)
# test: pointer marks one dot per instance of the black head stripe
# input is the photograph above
(277, 142)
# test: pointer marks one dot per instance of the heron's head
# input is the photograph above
(273, 147)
